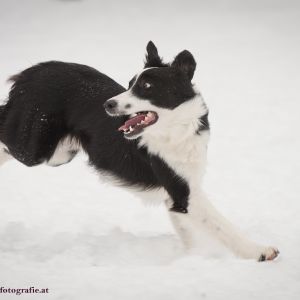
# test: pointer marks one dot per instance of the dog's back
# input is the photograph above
(47, 107)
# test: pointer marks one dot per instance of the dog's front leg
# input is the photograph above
(202, 215)
(191, 213)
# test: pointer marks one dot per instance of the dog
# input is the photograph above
(150, 138)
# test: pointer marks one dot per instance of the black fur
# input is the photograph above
(52, 100)
(152, 57)
(170, 84)
(185, 62)
(176, 186)
(179, 87)
(2, 116)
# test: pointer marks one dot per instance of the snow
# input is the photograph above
(63, 229)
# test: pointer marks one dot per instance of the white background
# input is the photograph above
(62, 229)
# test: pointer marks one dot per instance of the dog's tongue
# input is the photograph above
(132, 122)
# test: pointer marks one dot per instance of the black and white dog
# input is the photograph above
(151, 138)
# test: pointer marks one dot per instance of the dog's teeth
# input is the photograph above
(130, 129)
(142, 122)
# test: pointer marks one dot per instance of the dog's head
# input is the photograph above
(154, 93)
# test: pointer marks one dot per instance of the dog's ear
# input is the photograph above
(152, 57)
(186, 63)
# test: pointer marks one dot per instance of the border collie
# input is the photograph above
(151, 138)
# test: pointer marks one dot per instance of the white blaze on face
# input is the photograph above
(128, 103)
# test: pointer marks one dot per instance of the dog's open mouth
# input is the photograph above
(137, 122)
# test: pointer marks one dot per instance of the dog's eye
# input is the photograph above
(147, 85)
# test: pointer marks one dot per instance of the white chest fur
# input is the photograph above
(174, 139)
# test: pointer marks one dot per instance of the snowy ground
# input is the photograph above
(62, 229)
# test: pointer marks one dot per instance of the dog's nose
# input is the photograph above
(110, 105)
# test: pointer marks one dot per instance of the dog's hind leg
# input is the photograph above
(65, 151)
(4, 154)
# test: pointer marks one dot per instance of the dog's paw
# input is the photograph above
(268, 253)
